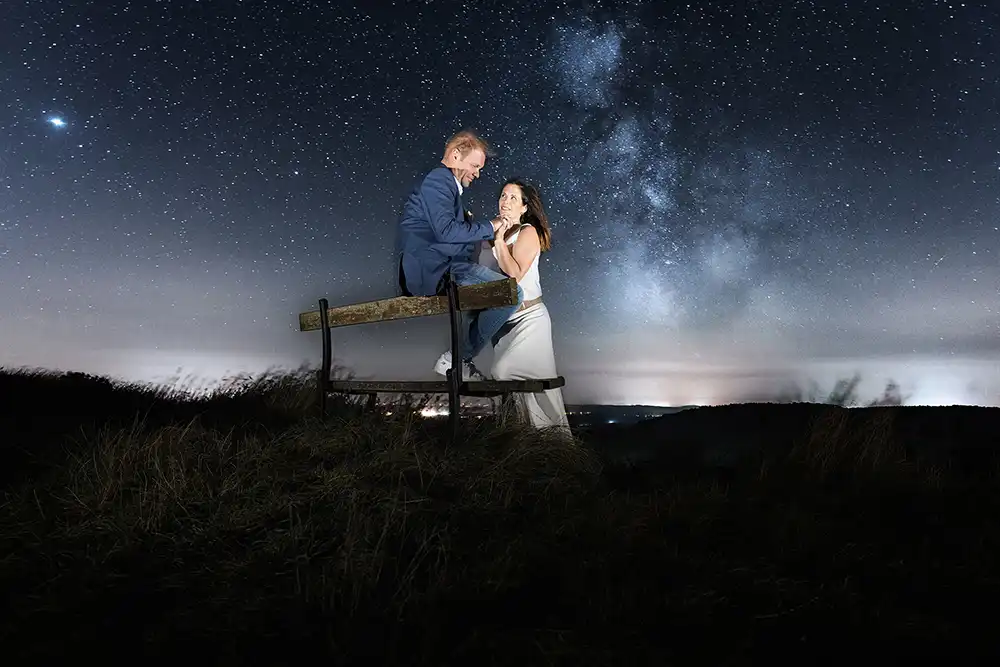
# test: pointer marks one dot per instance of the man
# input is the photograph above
(436, 237)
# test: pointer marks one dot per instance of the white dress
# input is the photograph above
(522, 349)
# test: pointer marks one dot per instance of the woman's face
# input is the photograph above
(512, 201)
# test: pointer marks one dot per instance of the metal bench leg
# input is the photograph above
(325, 368)
(455, 372)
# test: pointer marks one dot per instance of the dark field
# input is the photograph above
(136, 525)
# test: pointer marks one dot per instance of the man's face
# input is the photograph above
(468, 167)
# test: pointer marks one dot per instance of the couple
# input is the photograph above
(437, 236)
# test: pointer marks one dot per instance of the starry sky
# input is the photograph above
(744, 196)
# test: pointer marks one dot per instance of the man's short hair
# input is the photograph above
(465, 141)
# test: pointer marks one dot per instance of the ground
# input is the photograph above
(241, 529)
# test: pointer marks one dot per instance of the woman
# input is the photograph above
(522, 349)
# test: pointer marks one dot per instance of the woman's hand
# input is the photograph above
(510, 218)
(504, 227)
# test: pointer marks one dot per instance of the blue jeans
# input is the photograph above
(480, 325)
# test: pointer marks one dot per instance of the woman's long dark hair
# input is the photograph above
(535, 215)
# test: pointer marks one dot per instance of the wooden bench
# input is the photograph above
(455, 300)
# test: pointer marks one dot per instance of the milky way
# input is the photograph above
(743, 195)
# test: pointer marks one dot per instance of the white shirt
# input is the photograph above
(461, 190)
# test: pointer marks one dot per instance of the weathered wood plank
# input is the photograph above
(471, 388)
(470, 297)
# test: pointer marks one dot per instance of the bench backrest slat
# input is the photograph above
(470, 297)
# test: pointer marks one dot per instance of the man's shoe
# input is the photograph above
(443, 363)
(469, 370)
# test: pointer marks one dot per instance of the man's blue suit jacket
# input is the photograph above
(433, 233)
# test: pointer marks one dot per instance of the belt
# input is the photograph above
(528, 304)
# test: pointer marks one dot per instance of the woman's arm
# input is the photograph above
(515, 263)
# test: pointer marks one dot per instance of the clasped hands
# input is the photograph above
(502, 224)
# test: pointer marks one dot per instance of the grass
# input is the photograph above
(239, 529)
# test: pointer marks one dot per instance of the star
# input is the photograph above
(715, 203)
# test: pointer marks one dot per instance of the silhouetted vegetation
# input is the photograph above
(238, 529)
(844, 394)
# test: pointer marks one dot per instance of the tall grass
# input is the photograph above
(245, 530)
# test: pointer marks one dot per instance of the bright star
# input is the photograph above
(57, 122)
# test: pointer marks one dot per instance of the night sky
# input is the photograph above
(742, 195)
